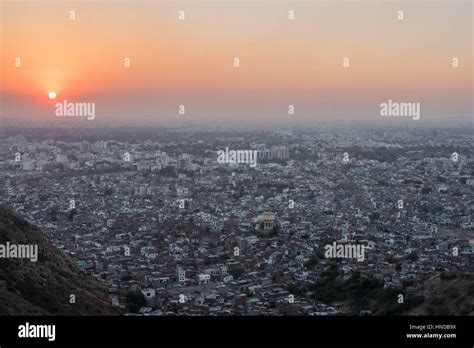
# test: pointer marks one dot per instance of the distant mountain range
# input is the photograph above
(47, 286)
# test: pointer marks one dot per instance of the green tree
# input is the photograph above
(135, 301)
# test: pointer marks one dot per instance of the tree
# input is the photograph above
(71, 215)
(413, 257)
(313, 261)
(293, 288)
(135, 301)
(426, 190)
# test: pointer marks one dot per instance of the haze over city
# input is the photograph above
(162, 160)
(139, 64)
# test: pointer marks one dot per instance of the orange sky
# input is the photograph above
(190, 62)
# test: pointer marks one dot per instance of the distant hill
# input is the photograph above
(44, 287)
(450, 293)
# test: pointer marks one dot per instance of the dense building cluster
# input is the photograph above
(195, 236)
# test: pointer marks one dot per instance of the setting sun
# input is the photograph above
(52, 95)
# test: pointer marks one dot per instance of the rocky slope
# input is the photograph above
(44, 287)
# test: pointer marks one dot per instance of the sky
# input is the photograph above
(190, 62)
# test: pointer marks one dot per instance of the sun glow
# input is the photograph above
(52, 95)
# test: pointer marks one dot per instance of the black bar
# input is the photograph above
(350, 330)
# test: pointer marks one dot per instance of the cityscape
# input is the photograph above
(227, 171)
(169, 229)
